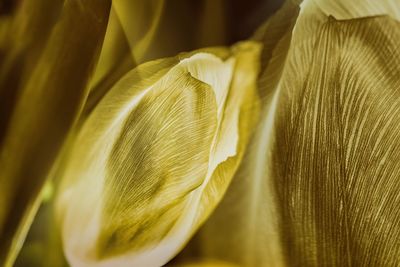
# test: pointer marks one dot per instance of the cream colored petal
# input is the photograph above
(219, 236)
(136, 175)
(136, 190)
(219, 81)
(239, 118)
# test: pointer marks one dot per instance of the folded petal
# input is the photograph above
(140, 179)
(240, 117)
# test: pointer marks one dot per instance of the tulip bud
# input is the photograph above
(156, 155)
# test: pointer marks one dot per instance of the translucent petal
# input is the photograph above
(133, 189)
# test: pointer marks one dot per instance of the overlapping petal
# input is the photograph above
(319, 183)
(155, 157)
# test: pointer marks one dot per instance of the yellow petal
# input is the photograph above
(155, 157)
(333, 163)
(239, 118)
(142, 161)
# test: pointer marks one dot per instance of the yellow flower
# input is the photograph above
(154, 162)
(156, 155)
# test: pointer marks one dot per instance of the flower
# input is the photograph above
(156, 155)
(276, 151)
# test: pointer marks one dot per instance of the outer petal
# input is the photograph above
(138, 162)
(240, 116)
(333, 163)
